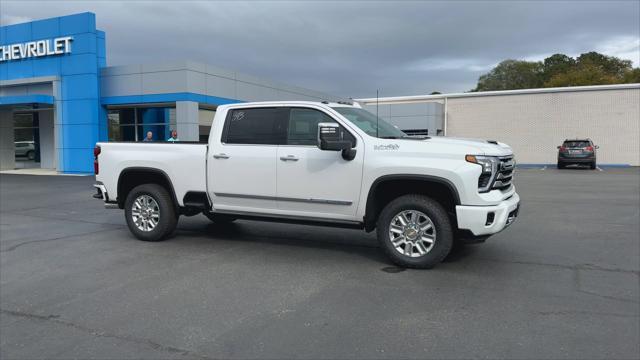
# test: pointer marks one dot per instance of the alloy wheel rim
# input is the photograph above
(412, 233)
(145, 213)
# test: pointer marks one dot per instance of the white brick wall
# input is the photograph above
(535, 124)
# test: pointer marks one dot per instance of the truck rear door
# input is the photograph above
(242, 164)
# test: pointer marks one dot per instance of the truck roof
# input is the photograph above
(292, 103)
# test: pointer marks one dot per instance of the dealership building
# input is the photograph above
(58, 98)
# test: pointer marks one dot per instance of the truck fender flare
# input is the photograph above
(369, 217)
(140, 169)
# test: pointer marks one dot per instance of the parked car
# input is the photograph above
(25, 149)
(317, 163)
(577, 151)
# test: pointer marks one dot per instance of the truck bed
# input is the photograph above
(184, 163)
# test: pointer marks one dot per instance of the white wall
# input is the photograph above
(535, 124)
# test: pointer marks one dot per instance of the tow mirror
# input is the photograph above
(330, 138)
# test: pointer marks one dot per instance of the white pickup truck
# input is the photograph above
(318, 163)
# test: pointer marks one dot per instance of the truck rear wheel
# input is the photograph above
(415, 231)
(150, 212)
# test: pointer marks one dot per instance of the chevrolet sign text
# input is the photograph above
(35, 49)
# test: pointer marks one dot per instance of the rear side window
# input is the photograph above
(303, 126)
(260, 126)
(576, 144)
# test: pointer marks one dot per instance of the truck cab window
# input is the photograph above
(259, 126)
(303, 126)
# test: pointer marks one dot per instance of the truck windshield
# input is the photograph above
(369, 123)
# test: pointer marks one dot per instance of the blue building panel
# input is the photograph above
(43, 29)
(86, 43)
(47, 67)
(80, 87)
(82, 135)
(103, 127)
(78, 64)
(168, 97)
(4, 72)
(75, 160)
(77, 23)
(20, 69)
(76, 112)
(18, 33)
(101, 43)
(27, 99)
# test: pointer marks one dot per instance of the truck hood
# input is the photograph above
(485, 147)
(444, 146)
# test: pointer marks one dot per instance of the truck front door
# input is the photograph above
(312, 182)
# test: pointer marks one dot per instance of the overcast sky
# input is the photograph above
(353, 48)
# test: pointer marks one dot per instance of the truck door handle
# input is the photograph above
(221, 156)
(289, 158)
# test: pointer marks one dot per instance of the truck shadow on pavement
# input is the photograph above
(348, 241)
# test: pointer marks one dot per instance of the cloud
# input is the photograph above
(625, 47)
(352, 48)
(438, 64)
(6, 19)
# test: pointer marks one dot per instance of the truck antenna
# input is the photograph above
(377, 117)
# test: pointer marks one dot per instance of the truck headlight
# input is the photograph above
(489, 166)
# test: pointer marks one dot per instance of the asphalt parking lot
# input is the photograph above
(562, 282)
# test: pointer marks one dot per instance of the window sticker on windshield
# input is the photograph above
(237, 115)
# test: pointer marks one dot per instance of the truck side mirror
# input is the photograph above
(597, 147)
(329, 138)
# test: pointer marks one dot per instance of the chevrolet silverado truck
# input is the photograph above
(317, 163)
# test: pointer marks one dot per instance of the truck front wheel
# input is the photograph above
(150, 213)
(415, 231)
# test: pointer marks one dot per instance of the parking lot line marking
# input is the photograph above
(544, 168)
(598, 167)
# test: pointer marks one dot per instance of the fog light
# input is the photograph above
(490, 217)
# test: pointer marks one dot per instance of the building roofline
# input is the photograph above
(420, 98)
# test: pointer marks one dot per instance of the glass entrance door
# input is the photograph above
(27, 139)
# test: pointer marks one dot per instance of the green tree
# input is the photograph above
(559, 70)
(593, 68)
(608, 64)
(557, 64)
(585, 74)
(632, 76)
(512, 74)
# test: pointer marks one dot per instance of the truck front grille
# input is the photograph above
(504, 176)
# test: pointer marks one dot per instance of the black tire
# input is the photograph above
(593, 165)
(560, 165)
(220, 218)
(168, 218)
(31, 155)
(444, 234)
